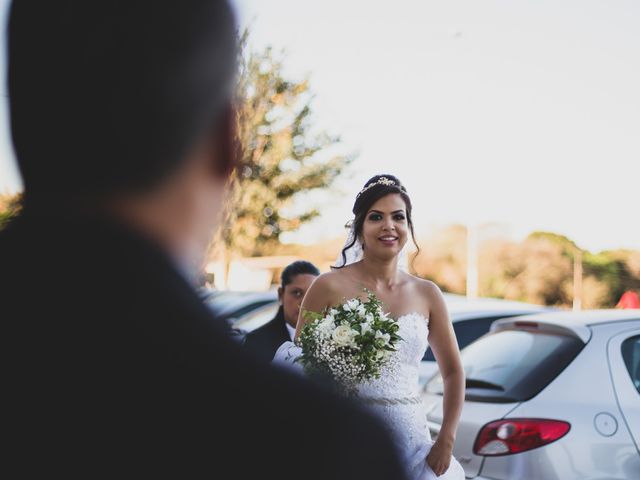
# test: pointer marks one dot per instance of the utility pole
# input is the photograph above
(577, 280)
(472, 260)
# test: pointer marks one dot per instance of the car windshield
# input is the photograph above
(513, 365)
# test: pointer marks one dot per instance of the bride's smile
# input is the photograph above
(385, 227)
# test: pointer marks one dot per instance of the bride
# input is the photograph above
(370, 259)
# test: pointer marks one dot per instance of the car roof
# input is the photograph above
(225, 302)
(461, 308)
(578, 323)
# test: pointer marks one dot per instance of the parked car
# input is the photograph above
(246, 311)
(471, 319)
(258, 317)
(550, 396)
(235, 307)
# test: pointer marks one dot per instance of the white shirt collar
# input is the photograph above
(291, 330)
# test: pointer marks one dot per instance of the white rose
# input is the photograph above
(361, 310)
(353, 303)
(343, 335)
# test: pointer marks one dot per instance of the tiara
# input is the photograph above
(387, 182)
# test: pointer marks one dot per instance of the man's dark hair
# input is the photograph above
(108, 96)
(297, 268)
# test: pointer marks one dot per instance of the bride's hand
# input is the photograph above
(439, 458)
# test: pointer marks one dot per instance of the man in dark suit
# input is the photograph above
(124, 133)
(295, 280)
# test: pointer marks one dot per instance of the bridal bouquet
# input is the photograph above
(350, 343)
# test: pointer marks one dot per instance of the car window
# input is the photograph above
(631, 354)
(513, 365)
(466, 332)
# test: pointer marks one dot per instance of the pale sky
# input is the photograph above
(518, 112)
(524, 113)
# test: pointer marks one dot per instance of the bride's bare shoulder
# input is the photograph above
(326, 290)
(329, 282)
(426, 287)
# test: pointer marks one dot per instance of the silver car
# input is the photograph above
(472, 318)
(550, 396)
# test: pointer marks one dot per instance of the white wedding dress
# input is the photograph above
(395, 397)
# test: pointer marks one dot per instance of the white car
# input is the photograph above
(471, 319)
(549, 396)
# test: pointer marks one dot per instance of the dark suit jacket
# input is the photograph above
(264, 341)
(113, 368)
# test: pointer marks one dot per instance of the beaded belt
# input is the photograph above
(392, 401)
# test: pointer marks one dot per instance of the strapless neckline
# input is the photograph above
(412, 314)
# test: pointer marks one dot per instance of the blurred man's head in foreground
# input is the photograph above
(126, 103)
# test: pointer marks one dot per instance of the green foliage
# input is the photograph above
(282, 155)
(612, 270)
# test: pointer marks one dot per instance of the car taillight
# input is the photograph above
(515, 435)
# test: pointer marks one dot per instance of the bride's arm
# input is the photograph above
(442, 340)
(316, 299)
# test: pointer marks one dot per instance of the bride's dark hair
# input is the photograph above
(374, 189)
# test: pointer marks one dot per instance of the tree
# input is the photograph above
(282, 156)
(618, 270)
(536, 270)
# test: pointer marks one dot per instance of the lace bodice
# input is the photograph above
(399, 378)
